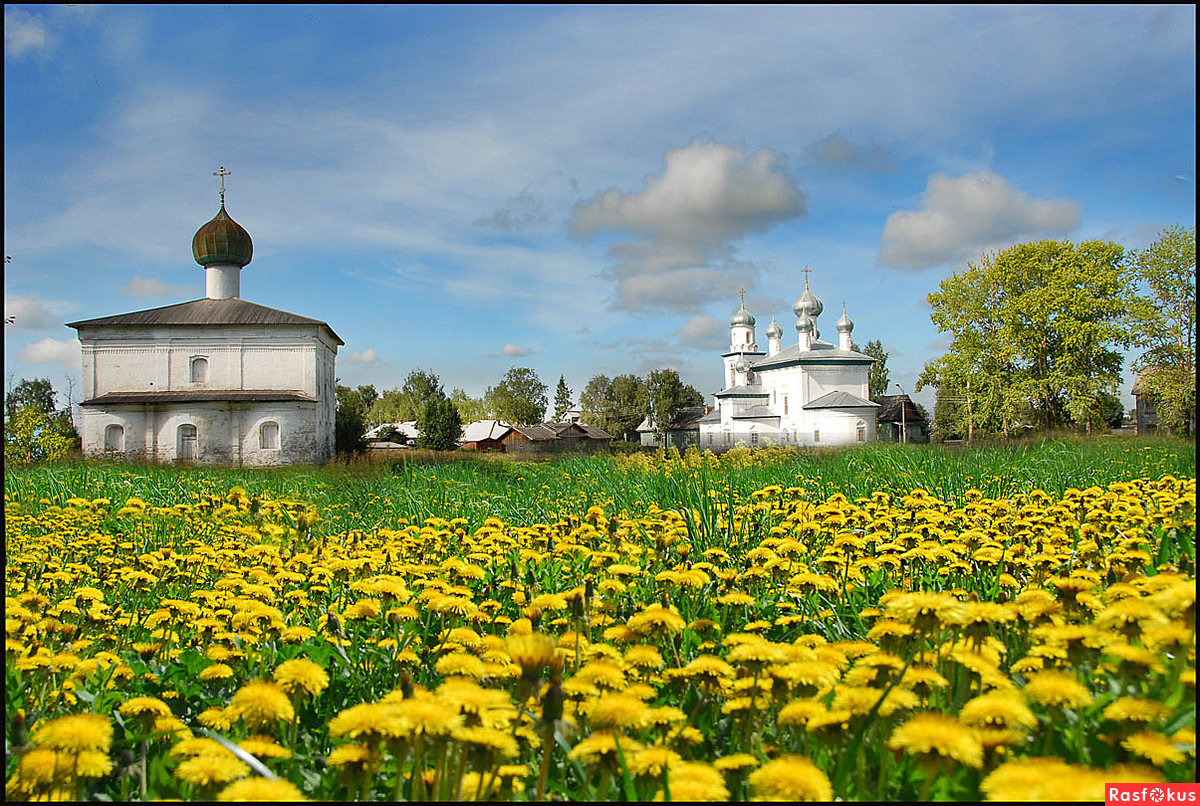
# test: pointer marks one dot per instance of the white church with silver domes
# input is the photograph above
(810, 392)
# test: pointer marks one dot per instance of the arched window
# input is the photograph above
(199, 370)
(187, 448)
(268, 436)
(114, 439)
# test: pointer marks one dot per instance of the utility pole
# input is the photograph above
(903, 418)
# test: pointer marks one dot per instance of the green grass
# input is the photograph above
(520, 492)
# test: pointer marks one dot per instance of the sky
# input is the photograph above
(580, 190)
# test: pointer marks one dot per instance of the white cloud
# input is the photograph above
(961, 217)
(513, 351)
(367, 356)
(23, 32)
(151, 288)
(52, 351)
(29, 314)
(682, 228)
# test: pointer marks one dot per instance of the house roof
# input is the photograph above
(482, 430)
(205, 312)
(754, 390)
(821, 352)
(200, 396)
(407, 428)
(840, 400)
(897, 408)
(759, 412)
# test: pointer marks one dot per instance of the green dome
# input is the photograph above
(222, 241)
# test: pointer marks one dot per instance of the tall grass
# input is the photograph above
(475, 487)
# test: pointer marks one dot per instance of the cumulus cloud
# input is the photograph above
(836, 151)
(513, 351)
(680, 231)
(367, 356)
(29, 314)
(961, 217)
(705, 333)
(151, 288)
(52, 351)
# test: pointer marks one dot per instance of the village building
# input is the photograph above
(810, 392)
(682, 432)
(547, 438)
(218, 380)
(484, 435)
(1145, 412)
(899, 420)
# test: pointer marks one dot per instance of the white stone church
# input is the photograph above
(218, 380)
(810, 392)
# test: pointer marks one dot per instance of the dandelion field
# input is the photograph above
(884, 623)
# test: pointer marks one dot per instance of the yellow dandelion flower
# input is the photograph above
(1134, 709)
(997, 709)
(207, 769)
(491, 740)
(261, 790)
(216, 671)
(301, 676)
(617, 711)
(657, 621)
(146, 707)
(460, 664)
(1155, 747)
(695, 781)
(602, 746)
(76, 733)
(261, 704)
(264, 747)
(1057, 689)
(792, 778)
(938, 735)
(652, 760)
(349, 755)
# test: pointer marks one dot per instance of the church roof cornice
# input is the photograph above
(205, 313)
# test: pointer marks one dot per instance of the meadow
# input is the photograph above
(889, 622)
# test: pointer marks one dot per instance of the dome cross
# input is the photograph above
(222, 173)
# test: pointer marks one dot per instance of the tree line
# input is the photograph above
(616, 405)
(1039, 331)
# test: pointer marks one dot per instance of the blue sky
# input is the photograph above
(575, 189)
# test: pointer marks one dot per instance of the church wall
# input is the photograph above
(160, 359)
(226, 433)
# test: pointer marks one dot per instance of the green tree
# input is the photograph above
(470, 409)
(665, 394)
(616, 405)
(1036, 325)
(519, 398)
(439, 425)
(1165, 325)
(877, 375)
(38, 393)
(31, 435)
(34, 430)
(562, 399)
(405, 403)
(350, 421)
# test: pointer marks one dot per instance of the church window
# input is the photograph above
(199, 370)
(862, 433)
(785, 404)
(268, 436)
(114, 439)
(753, 437)
(816, 435)
(187, 442)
